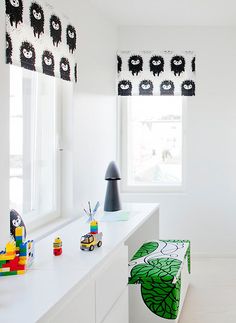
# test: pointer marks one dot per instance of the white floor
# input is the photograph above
(211, 297)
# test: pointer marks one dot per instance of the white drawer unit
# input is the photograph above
(110, 282)
(120, 312)
(80, 286)
(77, 306)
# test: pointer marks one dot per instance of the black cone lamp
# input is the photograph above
(112, 199)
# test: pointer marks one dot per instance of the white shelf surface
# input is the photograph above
(27, 298)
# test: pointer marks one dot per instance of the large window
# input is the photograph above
(152, 142)
(34, 134)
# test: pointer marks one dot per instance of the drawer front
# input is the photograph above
(110, 282)
(77, 306)
(120, 312)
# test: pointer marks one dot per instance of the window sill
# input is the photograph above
(155, 189)
(40, 232)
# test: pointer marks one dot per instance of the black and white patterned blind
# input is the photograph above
(40, 39)
(156, 73)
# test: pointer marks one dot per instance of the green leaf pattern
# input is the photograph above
(159, 276)
(156, 270)
(162, 298)
(188, 254)
(146, 249)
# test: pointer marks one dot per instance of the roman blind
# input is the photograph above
(40, 39)
(156, 73)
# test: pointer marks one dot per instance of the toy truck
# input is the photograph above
(89, 241)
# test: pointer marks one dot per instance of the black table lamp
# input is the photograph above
(112, 199)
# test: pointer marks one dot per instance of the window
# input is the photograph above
(34, 133)
(152, 141)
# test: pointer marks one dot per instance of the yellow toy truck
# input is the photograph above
(89, 241)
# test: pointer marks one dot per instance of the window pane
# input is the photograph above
(16, 140)
(33, 134)
(154, 153)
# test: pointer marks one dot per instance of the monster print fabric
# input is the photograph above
(39, 39)
(156, 73)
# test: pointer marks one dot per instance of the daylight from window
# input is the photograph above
(33, 159)
(154, 141)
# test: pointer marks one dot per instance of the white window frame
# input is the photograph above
(122, 140)
(32, 219)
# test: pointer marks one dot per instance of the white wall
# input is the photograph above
(94, 111)
(94, 104)
(4, 134)
(206, 211)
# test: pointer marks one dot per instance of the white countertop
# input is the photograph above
(27, 298)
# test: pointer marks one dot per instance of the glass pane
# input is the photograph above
(33, 164)
(16, 139)
(154, 141)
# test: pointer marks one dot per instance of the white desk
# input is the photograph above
(79, 286)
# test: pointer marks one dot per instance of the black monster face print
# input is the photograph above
(71, 38)
(167, 88)
(14, 9)
(125, 88)
(48, 63)
(15, 222)
(156, 65)
(194, 64)
(135, 64)
(178, 65)
(27, 56)
(55, 30)
(146, 87)
(188, 88)
(8, 49)
(119, 64)
(65, 69)
(37, 19)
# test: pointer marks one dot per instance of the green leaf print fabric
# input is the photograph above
(146, 249)
(162, 298)
(156, 266)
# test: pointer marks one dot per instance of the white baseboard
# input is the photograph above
(204, 255)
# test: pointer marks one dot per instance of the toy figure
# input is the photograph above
(15, 222)
(57, 247)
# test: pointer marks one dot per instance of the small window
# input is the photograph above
(34, 133)
(152, 142)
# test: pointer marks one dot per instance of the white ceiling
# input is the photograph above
(169, 12)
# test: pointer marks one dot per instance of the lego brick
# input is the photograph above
(10, 247)
(20, 272)
(18, 243)
(3, 270)
(5, 257)
(9, 273)
(19, 238)
(19, 231)
(22, 262)
(2, 262)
